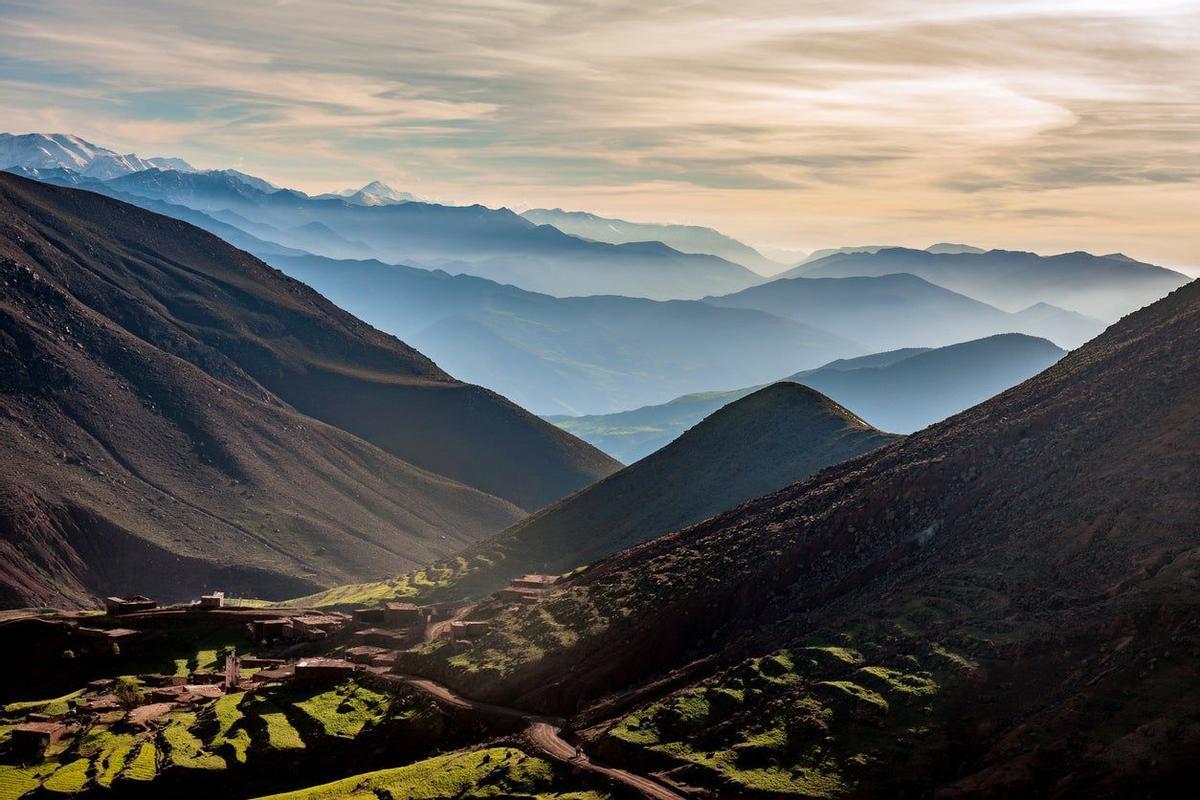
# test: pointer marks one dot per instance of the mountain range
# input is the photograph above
(578, 355)
(684, 238)
(492, 243)
(59, 150)
(375, 193)
(890, 310)
(178, 415)
(606, 354)
(899, 390)
(1103, 287)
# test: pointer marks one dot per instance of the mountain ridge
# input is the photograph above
(332, 366)
(143, 450)
(1097, 286)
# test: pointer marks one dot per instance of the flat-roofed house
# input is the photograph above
(132, 604)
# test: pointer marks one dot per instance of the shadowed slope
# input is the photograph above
(1037, 552)
(128, 468)
(193, 296)
(760, 443)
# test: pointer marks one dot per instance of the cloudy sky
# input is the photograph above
(1047, 126)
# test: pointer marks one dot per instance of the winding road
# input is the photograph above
(544, 734)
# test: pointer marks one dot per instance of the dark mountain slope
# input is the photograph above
(1098, 286)
(755, 445)
(167, 469)
(193, 296)
(1004, 603)
(884, 311)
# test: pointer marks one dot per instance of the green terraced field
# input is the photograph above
(346, 709)
(495, 772)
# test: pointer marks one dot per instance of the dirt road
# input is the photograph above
(544, 734)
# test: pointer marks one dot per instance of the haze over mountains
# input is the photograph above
(180, 414)
(497, 244)
(684, 238)
(1104, 287)
(968, 606)
(379, 222)
(892, 310)
(575, 355)
(899, 391)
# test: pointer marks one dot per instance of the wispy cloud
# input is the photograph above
(800, 123)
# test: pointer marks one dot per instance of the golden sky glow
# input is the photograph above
(1048, 126)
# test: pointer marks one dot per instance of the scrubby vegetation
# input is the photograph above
(809, 721)
(445, 580)
(494, 772)
(522, 635)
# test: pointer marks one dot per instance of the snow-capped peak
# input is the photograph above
(63, 150)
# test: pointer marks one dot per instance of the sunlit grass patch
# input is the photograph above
(900, 682)
(16, 781)
(184, 749)
(54, 707)
(281, 734)
(228, 714)
(143, 766)
(494, 772)
(346, 709)
(70, 778)
(108, 751)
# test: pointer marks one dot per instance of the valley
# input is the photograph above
(355, 494)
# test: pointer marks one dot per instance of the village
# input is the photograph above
(244, 656)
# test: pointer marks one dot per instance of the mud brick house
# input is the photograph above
(323, 670)
(32, 739)
(366, 654)
(515, 594)
(118, 635)
(533, 582)
(115, 606)
(214, 600)
(272, 629)
(280, 673)
(316, 626)
(254, 662)
(383, 637)
(394, 614)
(469, 629)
